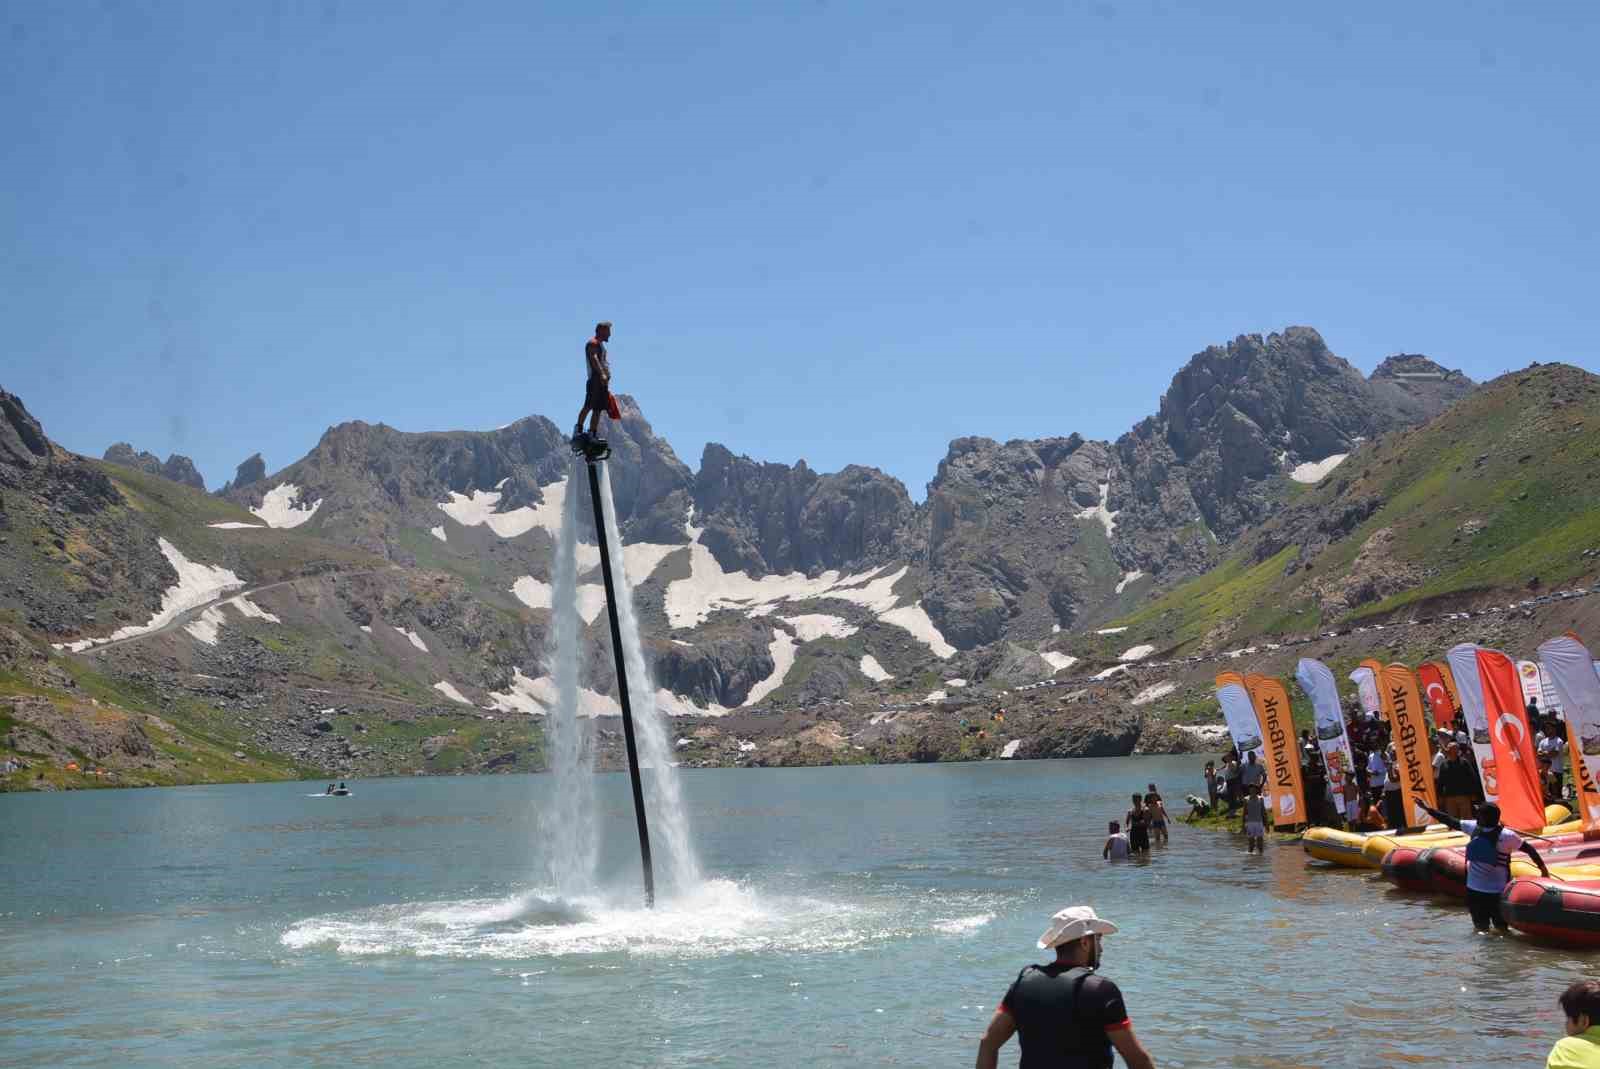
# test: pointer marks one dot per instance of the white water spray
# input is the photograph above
(669, 825)
(567, 823)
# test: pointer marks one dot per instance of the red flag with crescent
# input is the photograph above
(1521, 799)
(1439, 688)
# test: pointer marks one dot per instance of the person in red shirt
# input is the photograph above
(1065, 1014)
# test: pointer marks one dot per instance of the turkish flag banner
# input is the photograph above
(1516, 767)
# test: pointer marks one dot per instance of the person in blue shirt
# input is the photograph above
(1489, 849)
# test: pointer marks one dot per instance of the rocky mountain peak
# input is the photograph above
(178, 468)
(250, 470)
(22, 440)
(762, 517)
(1412, 365)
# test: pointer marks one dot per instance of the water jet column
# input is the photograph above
(622, 683)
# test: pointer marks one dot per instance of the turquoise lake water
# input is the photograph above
(865, 915)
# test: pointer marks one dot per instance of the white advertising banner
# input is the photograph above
(1463, 661)
(1240, 714)
(1367, 686)
(1317, 681)
(1576, 679)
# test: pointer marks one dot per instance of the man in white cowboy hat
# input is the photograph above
(1066, 1014)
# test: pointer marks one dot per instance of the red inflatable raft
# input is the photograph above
(1553, 911)
(1407, 868)
(1447, 871)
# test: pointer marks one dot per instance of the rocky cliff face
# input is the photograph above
(251, 470)
(1016, 540)
(178, 468)
(22, 441)
(762, 517)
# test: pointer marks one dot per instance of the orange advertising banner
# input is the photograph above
(1439, 687)
(1588, 795)
(1402, 704)
(1517, 776)
(1283, 755)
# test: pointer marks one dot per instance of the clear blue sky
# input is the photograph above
(825, 230)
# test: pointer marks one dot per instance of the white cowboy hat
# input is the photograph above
(1072, 923)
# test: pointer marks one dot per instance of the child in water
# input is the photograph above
(1158, 815)
(1255, 821)
(1116, 848)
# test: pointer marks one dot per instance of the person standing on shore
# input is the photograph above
(1211, 785)
(1253, 774)
(1456, 779)
(1580, 1049)
(1230, 780)
(1489, 849)
(1065, 1014)
(1394, 809)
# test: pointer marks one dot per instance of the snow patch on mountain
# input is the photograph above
(205, 627)
(235, 525)
(1154, 691)
(537, 696)
(709, 588)
(1058, 661)
(915, 619)
(280, 508)
(416, 640)
(782, 650)
(672, 704)
(445, 687)
(1129, 577)
(196, 585)
(873, 670)
(534, 593)
(1100, 512)
(813, 626)
(480, 508)
(1137, 653)
(438, 532)
(1315, 471)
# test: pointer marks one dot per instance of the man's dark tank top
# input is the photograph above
(1061, 1017)
(596, 348)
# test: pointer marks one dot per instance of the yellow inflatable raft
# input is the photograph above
(1366, 850)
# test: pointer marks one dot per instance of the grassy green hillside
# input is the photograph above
(1501, 493)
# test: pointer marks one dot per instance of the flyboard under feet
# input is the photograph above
(589, 447)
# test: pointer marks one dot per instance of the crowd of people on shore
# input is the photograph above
(1371, 788)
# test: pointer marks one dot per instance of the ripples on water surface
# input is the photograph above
(852, 915)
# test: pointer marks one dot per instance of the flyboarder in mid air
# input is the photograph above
(596, 395)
